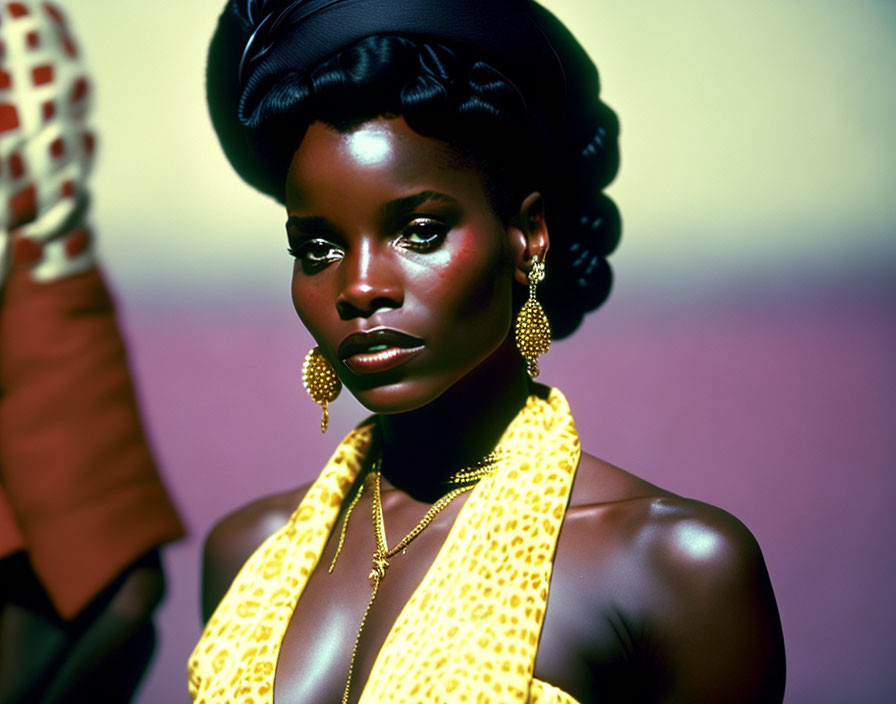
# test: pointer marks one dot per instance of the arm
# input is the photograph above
(79, 489)
(82, 510)
(713, 630)
(115, 644)
(99, 655)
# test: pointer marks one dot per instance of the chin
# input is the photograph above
(400, 397)
(411, 387)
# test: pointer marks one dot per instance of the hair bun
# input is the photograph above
(600, 226)
(600, 155)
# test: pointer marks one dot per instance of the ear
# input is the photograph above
(528, 235)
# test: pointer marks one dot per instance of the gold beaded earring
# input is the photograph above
(533, 331)
(321, 382)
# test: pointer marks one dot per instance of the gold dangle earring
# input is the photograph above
(321, 382)
(533, 331)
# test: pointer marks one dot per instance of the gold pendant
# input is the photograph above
(380, 564)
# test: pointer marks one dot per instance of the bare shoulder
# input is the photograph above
(691, 534)
(671, 532)
(598, 482)
(688, 577)
(706, 605)
(234, 538)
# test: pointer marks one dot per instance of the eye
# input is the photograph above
(422, 234)
(315, 254)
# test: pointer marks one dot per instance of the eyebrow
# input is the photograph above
(311, 224)
(403, 205)
(389, 210)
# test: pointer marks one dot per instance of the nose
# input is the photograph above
(368, 281)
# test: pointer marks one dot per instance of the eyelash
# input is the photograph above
(313, 257)
(434, 229)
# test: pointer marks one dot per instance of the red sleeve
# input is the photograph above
(76, 473)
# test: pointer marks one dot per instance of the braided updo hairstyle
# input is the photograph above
(530, 121)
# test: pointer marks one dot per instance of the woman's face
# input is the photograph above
(403, 272)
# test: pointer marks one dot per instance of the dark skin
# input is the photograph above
(99, 655)
(653, 597)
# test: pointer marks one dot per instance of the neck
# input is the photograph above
(422, 448)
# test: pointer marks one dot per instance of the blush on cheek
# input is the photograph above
(454, 263)
(467, 243)
(480, 274)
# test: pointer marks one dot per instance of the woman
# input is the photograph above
(437, 161)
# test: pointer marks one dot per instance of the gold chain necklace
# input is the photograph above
(464, 480)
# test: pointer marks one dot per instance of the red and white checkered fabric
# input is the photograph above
(46, 148)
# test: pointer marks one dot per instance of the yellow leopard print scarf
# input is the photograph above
(470, 631)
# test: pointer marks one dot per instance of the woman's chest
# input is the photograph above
(320, 645)
(325, 638)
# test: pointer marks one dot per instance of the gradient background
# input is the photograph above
(746, 357)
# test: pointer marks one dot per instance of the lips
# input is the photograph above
(378, 350)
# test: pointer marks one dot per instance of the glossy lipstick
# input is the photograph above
(378, 350)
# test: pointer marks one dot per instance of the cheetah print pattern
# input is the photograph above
(235, 658)
(470, 631)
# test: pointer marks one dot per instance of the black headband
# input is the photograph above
(258, 41)
(301, 34)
